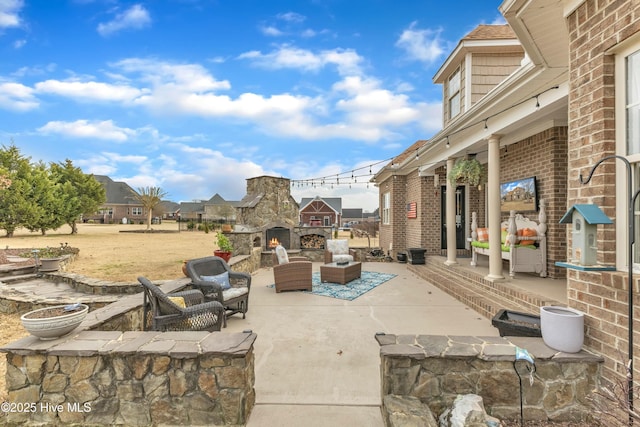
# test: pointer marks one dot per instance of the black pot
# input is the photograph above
(402, 257)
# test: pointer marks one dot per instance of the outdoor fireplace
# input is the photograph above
(278, 236)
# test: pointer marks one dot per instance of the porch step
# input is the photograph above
(482, 295)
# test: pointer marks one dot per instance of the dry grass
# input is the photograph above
(109, 254)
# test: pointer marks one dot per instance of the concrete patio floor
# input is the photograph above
(316, 360)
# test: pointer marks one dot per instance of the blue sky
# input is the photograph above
(195, 96)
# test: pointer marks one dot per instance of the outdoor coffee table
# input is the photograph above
(342, 274)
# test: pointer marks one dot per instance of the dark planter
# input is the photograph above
(515, 324)
(416, 255)
(402, 257)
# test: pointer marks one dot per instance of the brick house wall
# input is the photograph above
(396, 230)
(416, 189)
(594, 28)
(544, 156)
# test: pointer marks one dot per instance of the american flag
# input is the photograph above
(412, 210)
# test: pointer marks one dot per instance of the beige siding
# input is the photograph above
(488, 71)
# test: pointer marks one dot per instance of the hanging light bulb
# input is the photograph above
(537, 102)
(485, 124)
(447, 144)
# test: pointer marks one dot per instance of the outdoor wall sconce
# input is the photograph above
(584, 246)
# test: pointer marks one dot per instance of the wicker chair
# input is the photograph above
(180, 311)
(337, 250)
(235, 299)
(290, 273)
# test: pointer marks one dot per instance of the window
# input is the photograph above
(632, 104)
(386, 208)
(136, 211)
(453, 94)
(627, 115)
(105, 211)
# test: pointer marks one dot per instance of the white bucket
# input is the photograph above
(562, 328)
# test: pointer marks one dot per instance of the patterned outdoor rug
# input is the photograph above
(352, 290)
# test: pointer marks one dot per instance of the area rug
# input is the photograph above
(352, 290)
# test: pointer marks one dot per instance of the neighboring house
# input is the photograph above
(324, 212)
(547, 96)
(351, 216)
(167, 210)
(120, 205)
(214, 209)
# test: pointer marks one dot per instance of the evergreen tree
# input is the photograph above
(82, 193)
(16, 204)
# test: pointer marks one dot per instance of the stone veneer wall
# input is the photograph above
(595, 27)
(132, 378)
(101, 375)
(435, 369)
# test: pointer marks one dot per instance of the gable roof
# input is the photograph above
(491, 32)
(117, 192)
(483, 38)
(334, 203)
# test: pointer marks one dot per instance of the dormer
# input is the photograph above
(480, 61)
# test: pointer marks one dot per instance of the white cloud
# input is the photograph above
(271, 31)
(422, 45)
(291, 17)
(182, 77)
(10, 13)
(347, 61)
(18, 97)
(89, 129)
(136, 17)
(89, 90)
(18, 44)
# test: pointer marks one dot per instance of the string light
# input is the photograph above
(321, 181)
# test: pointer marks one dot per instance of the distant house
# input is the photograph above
(351, 216)
(319, 211)
(214, 209)
(121, 203)
(167, 209)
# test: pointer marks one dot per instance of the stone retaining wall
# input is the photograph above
(435, 369)
(132, 378)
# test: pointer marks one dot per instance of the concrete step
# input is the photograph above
(484, 296)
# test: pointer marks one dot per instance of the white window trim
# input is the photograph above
(622, 51)
(450, 95)
(386, 208)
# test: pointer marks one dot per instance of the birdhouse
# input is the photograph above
(585, 219)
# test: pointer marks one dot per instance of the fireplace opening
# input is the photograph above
(278, 236)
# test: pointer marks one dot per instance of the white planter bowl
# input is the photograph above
(562, 328)
(49, 328)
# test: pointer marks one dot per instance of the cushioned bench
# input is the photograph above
(524, 242)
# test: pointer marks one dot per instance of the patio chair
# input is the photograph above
(337, 250)
(290, 273)
(179, 311)
(213, 276)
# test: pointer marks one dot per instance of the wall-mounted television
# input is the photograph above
(519, 195)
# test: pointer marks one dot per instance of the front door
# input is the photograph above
(460, 217)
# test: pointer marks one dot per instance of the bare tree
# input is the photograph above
(149, 198)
